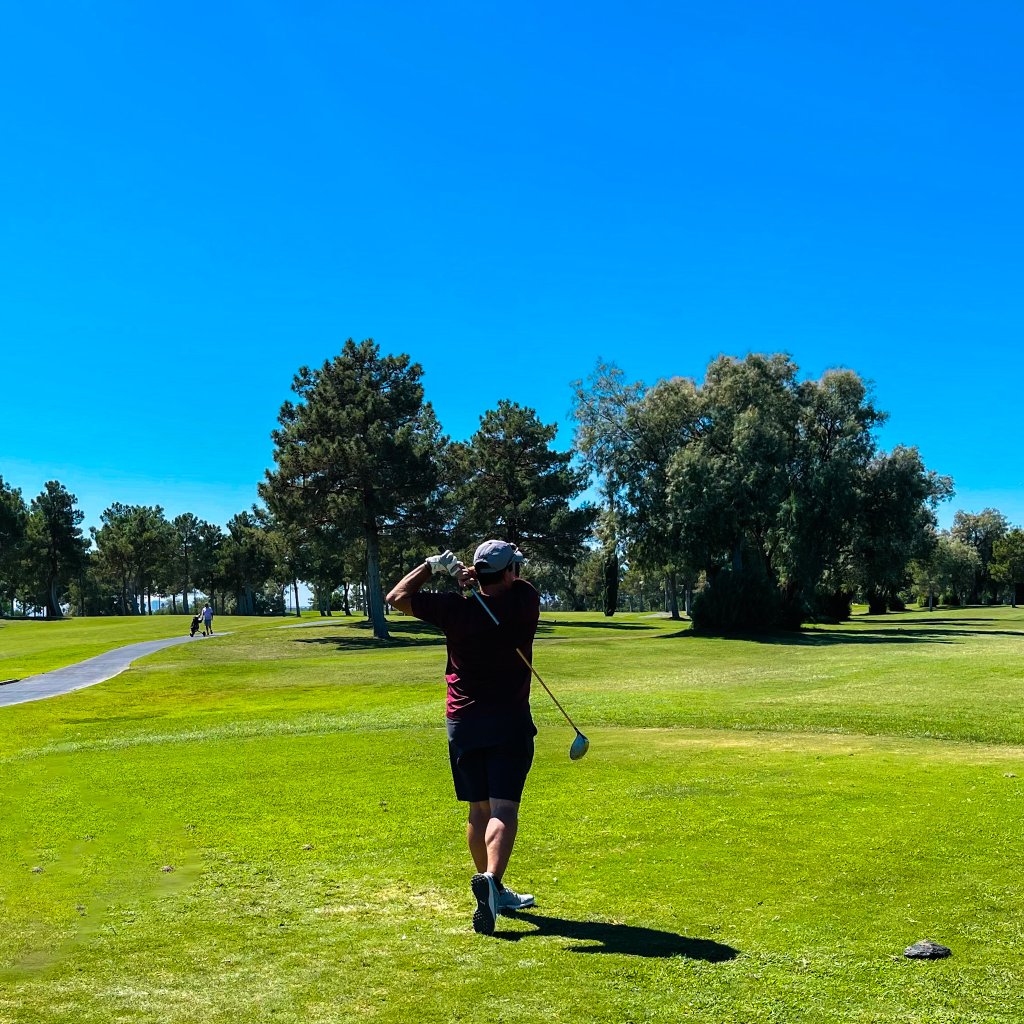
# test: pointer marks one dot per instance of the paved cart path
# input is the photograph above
(86, 673)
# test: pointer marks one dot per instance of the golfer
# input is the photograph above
(490, 728)
(207, 620)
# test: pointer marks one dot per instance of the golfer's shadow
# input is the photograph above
(621, 938)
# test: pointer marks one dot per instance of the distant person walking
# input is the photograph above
(207, 620)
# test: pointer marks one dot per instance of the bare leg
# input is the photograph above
(501, 836)
(476, 833)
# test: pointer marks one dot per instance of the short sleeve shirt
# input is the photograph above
(485, 675)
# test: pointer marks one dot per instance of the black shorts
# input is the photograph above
(491, 773)
(494, 767)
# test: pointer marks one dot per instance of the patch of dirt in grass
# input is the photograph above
(396, 899)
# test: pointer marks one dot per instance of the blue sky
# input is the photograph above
(198, 199)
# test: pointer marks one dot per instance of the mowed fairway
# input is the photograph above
(758, 831)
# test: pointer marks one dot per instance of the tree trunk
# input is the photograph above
(52, 602)
(298, 610)
(673, 596)
(375, 597)
(611, 582)
(344, 599)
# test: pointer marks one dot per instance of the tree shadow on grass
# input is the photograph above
(832, 637)
(353, 636)
(546, 625)
(626, 939)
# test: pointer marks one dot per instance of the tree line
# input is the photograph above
(752, 499)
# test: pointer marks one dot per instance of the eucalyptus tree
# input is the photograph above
(661, 541)
(627, 435)
(895, 523)
(1007, 565)
(981, 530)
(515, 486)
(55, 547)
(602, 437)
(360, 450)
(833, 447)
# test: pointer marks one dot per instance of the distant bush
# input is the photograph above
(834, 606)
(744, 602)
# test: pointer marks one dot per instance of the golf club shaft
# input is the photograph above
(494, 619)
(545, 685)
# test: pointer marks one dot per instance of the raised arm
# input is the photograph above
(400, 595)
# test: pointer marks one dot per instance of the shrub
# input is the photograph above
(744, 602)
(834, 606)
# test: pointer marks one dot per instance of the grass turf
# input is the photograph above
(31, 646)
(759, 829)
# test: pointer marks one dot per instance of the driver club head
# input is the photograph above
(579, 747)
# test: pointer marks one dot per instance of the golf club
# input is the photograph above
(581, 744)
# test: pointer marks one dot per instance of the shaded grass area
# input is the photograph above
(759, 830)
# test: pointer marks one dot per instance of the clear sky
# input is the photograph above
(199, 198)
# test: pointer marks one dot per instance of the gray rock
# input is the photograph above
(927, 950)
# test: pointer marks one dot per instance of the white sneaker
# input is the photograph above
(509, 899)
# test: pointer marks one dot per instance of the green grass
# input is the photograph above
(30, 646)
(758, 831)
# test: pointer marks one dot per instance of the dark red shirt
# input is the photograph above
(485, 675)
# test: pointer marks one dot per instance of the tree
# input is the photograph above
(661, 424)
(956, 567)
(246, 561)
(1007, 564)
(628, 435)
(896, 523)
(601, 411)
(360, 451)
(55, 546)
(186, 529)
(136, 548)
(207, 560)
(115, 556)
(517, 487)
(981, 530)
(13, 524)
(832, 451)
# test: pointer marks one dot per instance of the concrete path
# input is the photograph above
(85, 673)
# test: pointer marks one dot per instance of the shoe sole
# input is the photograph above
(483, 917)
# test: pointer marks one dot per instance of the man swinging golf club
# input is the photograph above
(490, 728)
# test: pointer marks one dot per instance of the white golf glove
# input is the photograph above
(446, 562)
